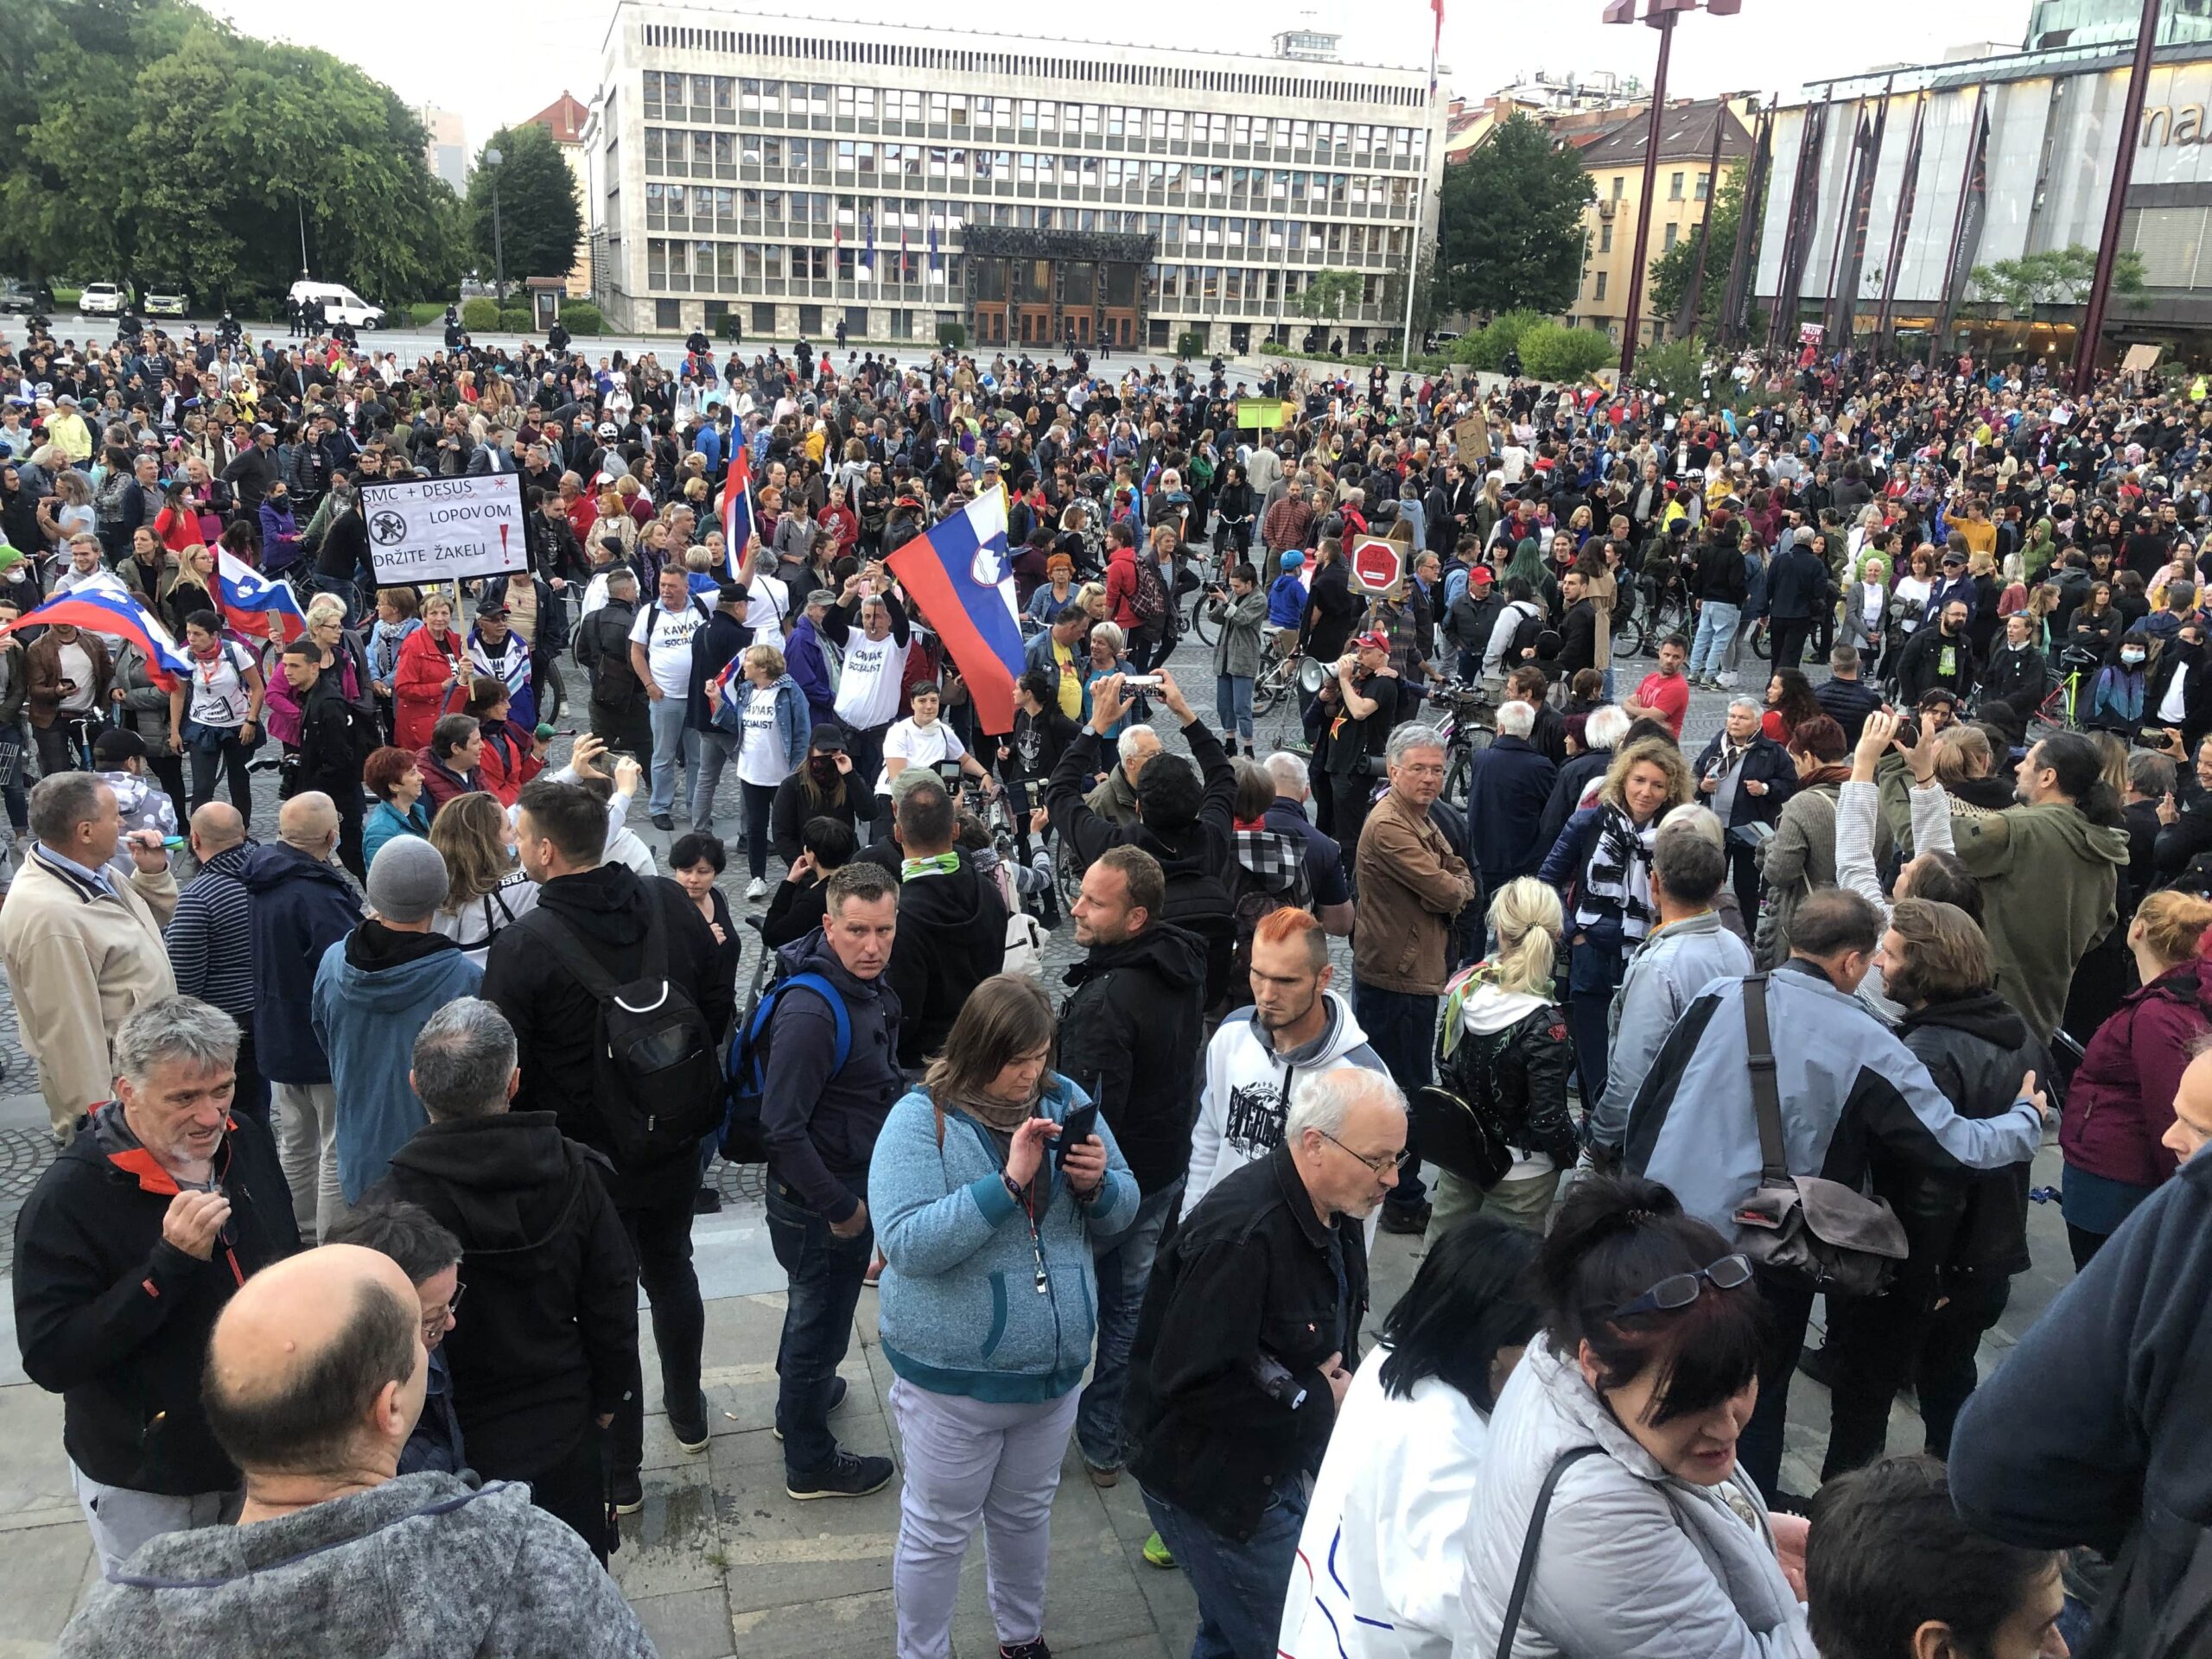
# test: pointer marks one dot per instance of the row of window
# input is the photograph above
(1028, 67)
(886, 219)
(671, 150)
(666, 92)
(1167, 284)
(1675, 184)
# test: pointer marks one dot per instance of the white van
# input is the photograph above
(339, 304)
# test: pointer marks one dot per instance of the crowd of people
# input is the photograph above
(1656, 1040)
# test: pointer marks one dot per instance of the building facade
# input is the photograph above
(2015, 156)
(899, 180)
(445, 146)
(1685, 184)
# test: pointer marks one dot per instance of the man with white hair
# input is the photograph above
(1114, 798)
(1509, 784)
(1580, 776)
(1227, 1431)
(1324, 858)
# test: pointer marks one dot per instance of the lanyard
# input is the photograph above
(1025, 1197)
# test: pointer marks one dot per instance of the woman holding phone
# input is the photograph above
(988, 1187)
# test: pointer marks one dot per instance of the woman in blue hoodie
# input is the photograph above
(987, 1306)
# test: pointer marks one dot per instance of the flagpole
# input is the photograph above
(1421, 191)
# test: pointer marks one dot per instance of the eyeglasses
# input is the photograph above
(1380, 1164)
(436, 1324)
(1679, 1290)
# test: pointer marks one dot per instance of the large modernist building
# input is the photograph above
(796, 174)
(2014, 154)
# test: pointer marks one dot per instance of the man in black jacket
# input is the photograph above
(602, 650)
(547, 1352)
(952, 932)
(1796, 592)
(1937, 658)
(1843, 696)
(332, 746)
(561, 832)
(127, 1249)
(1188, 823)
(2093, 1431)
(1967, 1230)
(1578, 626)
(2177, 692)
(1132, 1035)
(820, 1119)
(1239, 1365)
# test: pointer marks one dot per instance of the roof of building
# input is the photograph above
(565, 118)
(1685, 135)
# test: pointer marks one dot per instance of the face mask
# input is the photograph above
(823, 768)
(2131, 657)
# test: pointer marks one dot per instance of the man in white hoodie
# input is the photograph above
(1296, 1023)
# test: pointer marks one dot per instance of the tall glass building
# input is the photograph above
(2114, 23)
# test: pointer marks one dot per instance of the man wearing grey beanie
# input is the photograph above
(374, 991)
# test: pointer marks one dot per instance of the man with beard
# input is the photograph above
(1938, 658)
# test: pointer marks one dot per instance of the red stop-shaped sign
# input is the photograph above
(1378, 566)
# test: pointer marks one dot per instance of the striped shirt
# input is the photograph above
(211, 936)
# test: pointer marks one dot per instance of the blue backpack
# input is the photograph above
(745, 1140)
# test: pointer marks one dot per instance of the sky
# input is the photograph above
(493, 68)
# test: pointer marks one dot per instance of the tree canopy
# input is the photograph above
(1327, 292)
(146, 141)
(1510, 223)
(2058, 277)
(1670, 272)
(540, 222)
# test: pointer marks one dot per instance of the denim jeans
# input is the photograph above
(1716, 627)
(1232, 702)
(714, 750)
(1401, 1030)
(661, 1240)
(231, 757)
(670, 735)
(824, 1273)
(1239, 1586)
(1124, 1267)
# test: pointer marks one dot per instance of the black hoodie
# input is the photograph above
(556, 1021)
(1133, 1036)
(951, 938)
(548, 1339)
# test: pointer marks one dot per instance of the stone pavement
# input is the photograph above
(720, 1562)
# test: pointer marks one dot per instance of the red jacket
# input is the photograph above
(2121, 1099)
(1122, 586)
(421, 689)
(508, 763)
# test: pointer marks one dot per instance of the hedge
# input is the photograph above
(517, 320)
(732, 327)
(1190, 343)
(582, 317)
(480, 315)
(953, 336)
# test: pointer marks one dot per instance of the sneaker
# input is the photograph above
(873, 1276)
(847, 1476)
(690, 1431)
(838, 1389)
(1101, 1478)
(629, 1493)
(1036, 1650)
(757, 891)
(1156, 1553)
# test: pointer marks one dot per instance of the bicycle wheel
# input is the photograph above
(1206, 612)
(552, 696)
(1070, 876)
(1456, 777)
(1267, 690)
(1758, 641)
(1630, 635)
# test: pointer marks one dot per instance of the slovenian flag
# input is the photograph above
(961, 575)
(258, 607)
(737, 514)
(108, 607)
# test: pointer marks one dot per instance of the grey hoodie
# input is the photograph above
(424, 1565)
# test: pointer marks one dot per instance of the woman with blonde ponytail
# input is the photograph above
(1507, 1053)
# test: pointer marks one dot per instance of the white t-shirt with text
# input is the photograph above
(666, 636)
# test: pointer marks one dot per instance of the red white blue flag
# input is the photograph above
(108, 607)
(738, 523)
(961, 573)
(258, 607)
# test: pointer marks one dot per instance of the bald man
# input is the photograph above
(315, 1379)
(301, 904)
(211, 941)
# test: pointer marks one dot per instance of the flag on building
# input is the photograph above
(105, 606)
(961, 575)
(936, 267)
(256, 606)
(738, 523)
(1436, 44)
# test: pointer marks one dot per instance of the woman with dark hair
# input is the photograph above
(987, 1231)
(450, 761)
(1383, 1555)
(1789, 704)
(513, 756)
(1801, 857)
(801, 899)
(694, 862)
(1622, 1423)
(825, 783)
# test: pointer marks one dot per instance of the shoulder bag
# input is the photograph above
(1804, 1231)
(1529, 1544)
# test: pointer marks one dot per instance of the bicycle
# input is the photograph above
(2062, 709)
(1470, 726)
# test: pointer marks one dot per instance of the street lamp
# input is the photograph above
(1659, 14)
(492, 159)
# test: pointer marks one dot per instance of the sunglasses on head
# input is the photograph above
(1679, 1290)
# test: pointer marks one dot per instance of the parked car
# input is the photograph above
(101, 300)
(23, 298)
(165, 302)
(339, 304)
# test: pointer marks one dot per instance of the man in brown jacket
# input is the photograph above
(1411, 885)
(66, 674)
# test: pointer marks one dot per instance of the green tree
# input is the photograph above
(540, 222)
(1669, 279)
(1510, 223)
(1551, 352)
(1327, 292)
(2057, 276)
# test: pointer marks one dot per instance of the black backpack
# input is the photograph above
(1197, 900)
(657, 1080)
